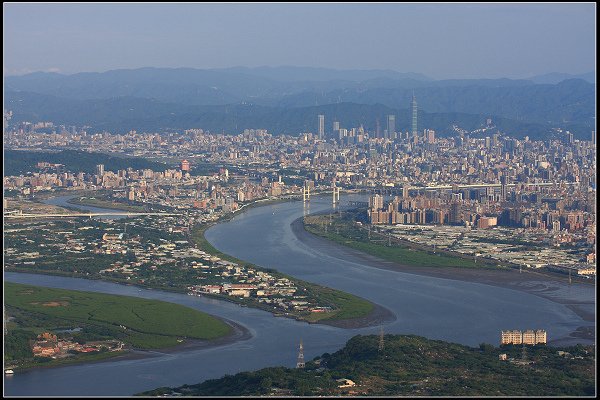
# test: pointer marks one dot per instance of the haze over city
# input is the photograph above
(441, 41)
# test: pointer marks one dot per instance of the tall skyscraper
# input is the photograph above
(336, 126)
(391, 126)
(321, 126)
(414, 115)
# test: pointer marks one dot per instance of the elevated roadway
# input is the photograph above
(85, 215)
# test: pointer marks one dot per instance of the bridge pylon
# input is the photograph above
(306, 192)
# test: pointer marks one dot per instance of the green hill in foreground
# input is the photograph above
(415, 366)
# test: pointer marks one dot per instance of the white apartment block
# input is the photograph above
(528, 337)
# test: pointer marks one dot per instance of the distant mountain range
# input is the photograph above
(557, 77)
(287, 100)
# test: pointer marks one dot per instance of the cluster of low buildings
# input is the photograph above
(245, 282)
(527, 248)
(49, 345)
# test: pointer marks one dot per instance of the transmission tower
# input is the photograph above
(300, 363)
(381, 339)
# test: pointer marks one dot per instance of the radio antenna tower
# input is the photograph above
(300, 363)
(381, 339)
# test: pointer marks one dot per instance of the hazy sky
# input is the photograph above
(438, 40)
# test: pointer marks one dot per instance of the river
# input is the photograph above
(463, 312)
(63, 201)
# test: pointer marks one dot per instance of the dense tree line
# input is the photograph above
(21, 162)
(16, 344)
(413, 365)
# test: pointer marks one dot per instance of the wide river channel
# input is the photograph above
(456, 311)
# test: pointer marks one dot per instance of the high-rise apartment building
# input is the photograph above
(530, 337)
(429, 135)
(376, 202)
(455, 216)
(100, 169)
(503, 187)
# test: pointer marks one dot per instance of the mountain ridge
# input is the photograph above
(122, 114)
(182, 92)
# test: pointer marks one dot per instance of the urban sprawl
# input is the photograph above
(480, 193)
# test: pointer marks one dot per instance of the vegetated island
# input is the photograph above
(50, 327)
(399, 365)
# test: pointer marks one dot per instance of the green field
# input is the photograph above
(149, 323)
(343, 231)
(112, 205)
(348, 306)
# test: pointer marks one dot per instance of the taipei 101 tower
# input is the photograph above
(414, 115)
